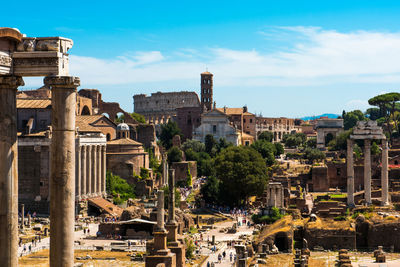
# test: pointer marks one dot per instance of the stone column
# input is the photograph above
(367, 171)
(164, 179)
(160, 211)
(62, 177)
(89, 171)
(350, 173)
(83, 172)
(78, 173)
(94, 170)
(274, 196)
(22, 215)
(99, 172)
(385, 174)
(171, 226)
(8, 170)
(104, 170)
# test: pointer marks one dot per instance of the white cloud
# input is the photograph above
(319, 57)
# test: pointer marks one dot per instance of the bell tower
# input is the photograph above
(206, 85)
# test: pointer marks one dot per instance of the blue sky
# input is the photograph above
(280, 58)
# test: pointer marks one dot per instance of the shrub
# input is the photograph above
(189, 248)
(269, 219)
(119, 188)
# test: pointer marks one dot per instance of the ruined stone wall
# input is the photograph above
(41, 119)
(188, 119)
(320, 178)
(331, 238)
(145, 134)
(278, 126)
(124, 165)
(181, 170)
(159, 107)
(337, 175)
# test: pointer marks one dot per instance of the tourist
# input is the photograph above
(230, 257)
(224, 254)
(219, 258)
(208, 264)
(30, 248)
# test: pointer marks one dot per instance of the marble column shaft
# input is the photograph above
(104, 166)
(99, 172)
(385, 173)
(62, 177)
(367, 170)
(83, 172)
(160, 211)
(78, 173)
(350, 173)
(8, 171)
(22, 215)
(94, 170)
(171, 204)
(89, 171)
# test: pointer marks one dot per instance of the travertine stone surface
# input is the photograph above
(62, 181)
(8, 171)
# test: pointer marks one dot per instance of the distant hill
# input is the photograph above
(329, 115)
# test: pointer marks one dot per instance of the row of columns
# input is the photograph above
(91, 171)
(275, 197)
(367, 172)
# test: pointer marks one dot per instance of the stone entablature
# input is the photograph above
(278, 126)
(160, 107)
(34, 56)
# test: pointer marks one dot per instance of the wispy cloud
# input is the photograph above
(318, 57)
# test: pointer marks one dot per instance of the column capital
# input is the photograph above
(62, 81)
(10, 81)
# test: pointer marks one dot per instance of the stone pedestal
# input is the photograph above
(62, 166)
(8, 171)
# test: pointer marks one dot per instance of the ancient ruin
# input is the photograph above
(367, 131)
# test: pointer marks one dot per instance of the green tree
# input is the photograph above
(387, 105)
(242, 172)
(210, 190)
(313, 154)
(266, 149)
(294, 140)
(168, 131)
(267, 136)
(118, 188)
(340, 142)
(210, 143)
(312, 142)
(138, 117)
(174, 155)
(279, 149)
(373, 113)
(351, 118)
(195, 145)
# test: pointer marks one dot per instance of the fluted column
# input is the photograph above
(104, 170)
(99, 171)
(94, 169)
(160, 211)
(78, 173)
(89, 171)
(385, 174)
(62, 177)
(367, 171)
(8, 171)
(350, 173)
(83, 172)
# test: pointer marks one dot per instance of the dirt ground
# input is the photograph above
(41, 259)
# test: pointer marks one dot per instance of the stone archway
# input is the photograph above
(329, 137)
(85, 110)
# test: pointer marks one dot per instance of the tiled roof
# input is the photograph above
(33, 103)
(83, 123)
(123, 141)
(234, 111)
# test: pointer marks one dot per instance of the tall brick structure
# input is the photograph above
(206, 85)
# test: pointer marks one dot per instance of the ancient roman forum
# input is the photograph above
(183, 180)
